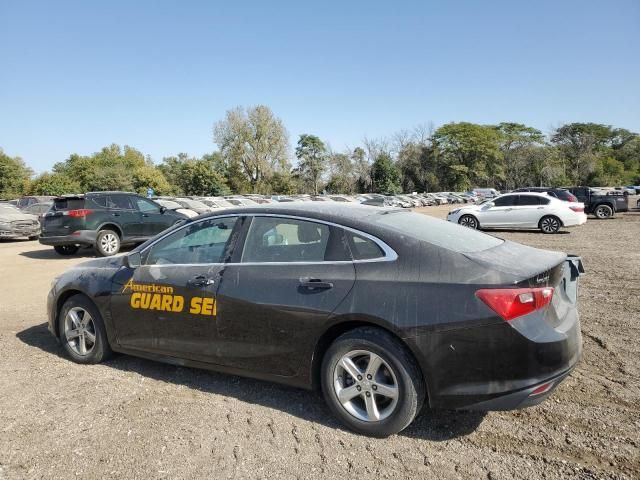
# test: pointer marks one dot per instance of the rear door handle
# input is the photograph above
(315, 283)
(200, 281)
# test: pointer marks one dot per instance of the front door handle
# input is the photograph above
(115, 214)
(315, 283)
(200, 281)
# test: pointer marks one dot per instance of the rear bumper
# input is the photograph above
(79, 237)
(498, 366)
(575, 219)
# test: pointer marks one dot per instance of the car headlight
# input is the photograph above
(453, 212)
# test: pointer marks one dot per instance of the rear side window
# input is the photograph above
(363, 248)
(526, 200)
(436, 232)
(272, 239)
(121, 202)
(99, 201)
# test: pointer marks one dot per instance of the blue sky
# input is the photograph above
(156, 75)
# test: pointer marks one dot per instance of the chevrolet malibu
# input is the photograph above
(383, 310)
(529, 210)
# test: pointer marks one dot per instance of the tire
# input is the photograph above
(87, 343)
(66, 249)
(549, 224)
(469, 221)
(107, 243)
(397, 374)
(603, 212)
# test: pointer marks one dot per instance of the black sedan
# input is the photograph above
(381, 309)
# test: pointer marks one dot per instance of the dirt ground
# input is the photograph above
(133, 418)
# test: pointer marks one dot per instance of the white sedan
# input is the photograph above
(521, 210)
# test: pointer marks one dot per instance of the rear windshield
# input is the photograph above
(437, 232)
(68, 203)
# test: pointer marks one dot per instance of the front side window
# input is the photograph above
(272, 239)
(202, 242)
(146, 206)
(506, 201)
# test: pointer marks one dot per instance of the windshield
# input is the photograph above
(437, 232)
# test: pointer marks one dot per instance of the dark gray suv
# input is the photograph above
(104, 220)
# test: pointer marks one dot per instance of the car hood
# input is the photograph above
(12, 217)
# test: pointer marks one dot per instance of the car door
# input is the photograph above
(279, 291)
(497, 213)
(153, 220)
(525, 211)
(168, 304)
(123, 213)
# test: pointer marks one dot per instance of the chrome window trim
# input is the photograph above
(390, 254)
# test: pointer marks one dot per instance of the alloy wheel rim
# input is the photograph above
(468, 222)
(550, 224)
(109, 243)
(80, 331)
(366, 386)
(603, 212)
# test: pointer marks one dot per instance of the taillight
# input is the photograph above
(573, 198)
(79, 213)
(512, 303)
(576, 208)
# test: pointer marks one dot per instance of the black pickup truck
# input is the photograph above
(601, 203)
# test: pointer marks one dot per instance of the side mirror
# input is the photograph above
(163, 209)
(133, 260)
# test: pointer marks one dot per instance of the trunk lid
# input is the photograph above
(58, 222)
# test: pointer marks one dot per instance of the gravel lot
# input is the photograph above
(134, 418)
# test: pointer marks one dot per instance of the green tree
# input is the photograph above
(470, 154)
(53, 184)
(14, 176)
(342, 174)
(254, 144)
(518, 144)
(312, 159)
(385, 175)
(200, 178)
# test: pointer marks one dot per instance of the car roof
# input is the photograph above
(537, 194)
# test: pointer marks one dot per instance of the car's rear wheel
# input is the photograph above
(550, 224)
(107, 243)
(82, 331)
(66, 249)
(371, 382)
(469, 221)
(603, 211)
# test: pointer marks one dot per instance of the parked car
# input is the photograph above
(341, 297)
(561, 193)
(194, 205)
(626, 190)
(175, 206)
(486, 192)
(600, 203)
(380, 201)
(14, 223)
(521, 211)
(103, 220)
(38, 209)
(30, 200)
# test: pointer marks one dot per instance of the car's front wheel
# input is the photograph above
(82, 331)
(469, 221)
(371, 382)
(107, 243)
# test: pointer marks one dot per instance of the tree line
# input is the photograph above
(254, 156)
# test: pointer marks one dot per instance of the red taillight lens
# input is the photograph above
(573, 198)
(512, 303)
(79, 213)
(577, 209)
